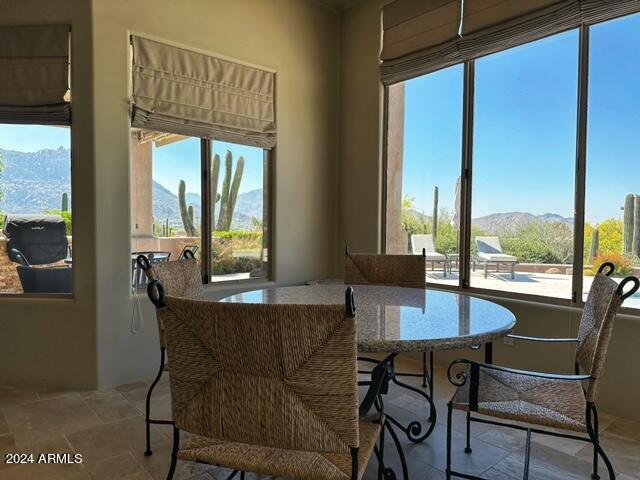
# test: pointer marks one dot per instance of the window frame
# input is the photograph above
(206, 264)
(466, 175)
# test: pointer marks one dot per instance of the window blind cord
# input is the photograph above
(136, 313)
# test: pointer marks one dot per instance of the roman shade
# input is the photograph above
(418, 35)
(34, 75)
(188, 93)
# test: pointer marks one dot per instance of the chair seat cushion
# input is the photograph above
(280, 462)
(541, 401)
(435, 257)
(497, 257)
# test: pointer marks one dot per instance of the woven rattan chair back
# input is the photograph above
(281, 376)
(389, 270)
(180, 278)
(603, 302)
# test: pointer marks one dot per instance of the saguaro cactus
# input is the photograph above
(595, 242)
(65, 202)
(627, 233)
(229, 193)
(189, 228)
(435, 213)
(635, 245)
(190, 211)
(215, 175)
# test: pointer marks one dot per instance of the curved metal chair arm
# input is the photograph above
(143, 262)
(155, 291)
(636, 285)
(543, 339)
(461, 377)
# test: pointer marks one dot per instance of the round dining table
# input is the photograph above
(393, 320)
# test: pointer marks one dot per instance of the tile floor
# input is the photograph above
(107, 428)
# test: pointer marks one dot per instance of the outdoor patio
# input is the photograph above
(542, 284)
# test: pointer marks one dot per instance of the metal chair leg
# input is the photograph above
(592, 430)
(148, 402)
(468, 446)
(174, 453)
(449, 413)
(424, 369)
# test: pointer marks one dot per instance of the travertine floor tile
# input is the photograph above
(122, 467)
(36, 421)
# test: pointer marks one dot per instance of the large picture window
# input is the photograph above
(545, 146)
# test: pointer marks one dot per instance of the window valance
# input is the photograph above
(421, 36)
(188, 93)
(34, 75)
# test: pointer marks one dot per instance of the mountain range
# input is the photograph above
(33, 182)
(505, 223)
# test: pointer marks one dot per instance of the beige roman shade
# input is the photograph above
(484, 27)
(34, 75)
(188, 93)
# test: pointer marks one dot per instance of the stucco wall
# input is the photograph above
(360, 187)
(299, 41)
(53, 342)
(88, 340)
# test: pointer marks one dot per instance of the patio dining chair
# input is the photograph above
(181, 278)
(138, 277)
(423, 244)
(270, 389)
(566, 402)
(490, 253)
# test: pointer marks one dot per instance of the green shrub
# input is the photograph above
(67, 217)
(237, 234)
(223, 248)
(541, 242)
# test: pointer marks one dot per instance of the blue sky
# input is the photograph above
(181, 160)
(525, 127)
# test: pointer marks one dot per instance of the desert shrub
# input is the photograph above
(541, 242)
(238, 234)
(223, 248)
(623, 263)
(3, 219)
(66, 216)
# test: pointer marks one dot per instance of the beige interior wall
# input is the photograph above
(360, 187)
(53, 342)
(299, 41)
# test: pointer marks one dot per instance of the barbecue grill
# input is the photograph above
(39, 240)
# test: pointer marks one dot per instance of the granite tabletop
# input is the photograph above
(395, 319)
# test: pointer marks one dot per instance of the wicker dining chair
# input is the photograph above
(181, 278)
(549, 400)
(407, 271)
(270, 389)
(389, 270)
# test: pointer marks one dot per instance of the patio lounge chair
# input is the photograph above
(420, 242)
(490, 252)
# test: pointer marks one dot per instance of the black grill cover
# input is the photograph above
(41, 239)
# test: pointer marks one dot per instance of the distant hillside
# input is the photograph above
(511, 222)
(33, 182)
(165, 205)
